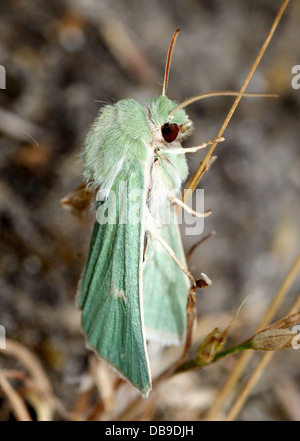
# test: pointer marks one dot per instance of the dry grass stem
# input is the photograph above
(39, 379)
(16, 401)
(239, 403)
(246, 356)
(194, 181)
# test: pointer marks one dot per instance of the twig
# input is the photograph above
(249, 386)
(194, 181)
(197, 244)
(255, 375)
(39, 376)
(17, 403)
(31, 363)
(246, 356)
(123, 45)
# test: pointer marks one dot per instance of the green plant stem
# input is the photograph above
(198, 363)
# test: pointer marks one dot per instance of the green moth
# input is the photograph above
(135, 284)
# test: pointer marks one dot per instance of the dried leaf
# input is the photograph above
(78, 200)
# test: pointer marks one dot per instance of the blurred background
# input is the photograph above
(63, 60)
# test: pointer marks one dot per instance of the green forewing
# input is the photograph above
(165, 288)
(110, 293)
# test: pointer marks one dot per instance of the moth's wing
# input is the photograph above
(165, 288)
(110, 292)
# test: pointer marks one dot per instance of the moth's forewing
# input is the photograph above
(110, 292)
(165, 288)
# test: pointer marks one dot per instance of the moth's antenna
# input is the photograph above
(168, 62)
(202, 96)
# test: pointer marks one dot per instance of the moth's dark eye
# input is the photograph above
(169, 132)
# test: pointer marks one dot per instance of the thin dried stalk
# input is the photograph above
(246, 356)
(17, 403)
(239, 403)
(197, 244)
(249, 386)
(194, 181)
(31, 363)
(40, 380)
(123, 45)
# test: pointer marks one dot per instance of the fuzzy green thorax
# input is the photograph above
(120, 134)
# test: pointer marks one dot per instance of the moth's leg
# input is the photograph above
(170, 250)
(181, 150)
(179, 202)
(151, 228)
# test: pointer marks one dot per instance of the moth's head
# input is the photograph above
(171, 126)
